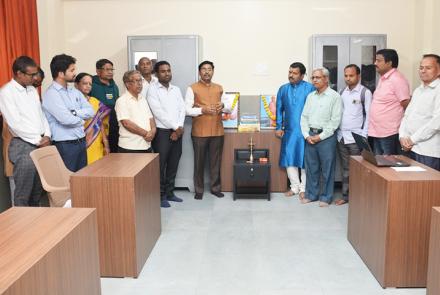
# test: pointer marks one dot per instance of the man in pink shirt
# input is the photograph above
(389, 103)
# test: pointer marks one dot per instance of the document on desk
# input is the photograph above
(409, 169)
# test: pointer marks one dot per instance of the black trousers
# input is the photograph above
(113, 132)
(213, 145)
(169, 157)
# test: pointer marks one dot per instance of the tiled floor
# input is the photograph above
(252, 247)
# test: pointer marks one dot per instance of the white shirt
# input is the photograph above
(21, 108)
(352, 113)
(167, 105)
(136, 110)
(197, 111)
(421, 121)
(146, 85)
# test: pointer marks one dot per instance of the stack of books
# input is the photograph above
(249, 123)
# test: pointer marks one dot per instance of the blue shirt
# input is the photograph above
(58, 104)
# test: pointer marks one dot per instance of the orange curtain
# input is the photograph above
(18, 36)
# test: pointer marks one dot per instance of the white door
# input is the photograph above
(336, 51)
(333, 53)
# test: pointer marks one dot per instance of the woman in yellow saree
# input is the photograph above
(97, 143)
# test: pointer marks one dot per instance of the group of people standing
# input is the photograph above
(315, 122)
(91, 120)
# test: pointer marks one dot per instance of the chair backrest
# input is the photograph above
(53, 174)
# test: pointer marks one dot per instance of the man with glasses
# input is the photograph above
(105, 89)
(319, 120)
(20, 106)
(136, 123)
(66, 110)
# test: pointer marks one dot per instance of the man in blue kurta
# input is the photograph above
(291, 98)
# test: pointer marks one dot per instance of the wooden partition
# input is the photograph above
(125, 190)
(389, 220)
(49, 251)
(433, 286)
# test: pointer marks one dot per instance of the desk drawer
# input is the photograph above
(252, 173)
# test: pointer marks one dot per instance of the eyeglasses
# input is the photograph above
(31, 74)
(317, 77)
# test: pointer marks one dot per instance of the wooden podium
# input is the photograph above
(125, 190)
(433, 285)
(389, 220)
(49, 251)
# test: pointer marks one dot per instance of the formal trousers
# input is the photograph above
(213, 146)
(169, 157)
(28, 187)
(73, 153)
(320, 159)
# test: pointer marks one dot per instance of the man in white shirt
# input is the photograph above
(136, 123)
(21, 108)
(356, 100)
(145, 67)
(168, 108)
(419, 130)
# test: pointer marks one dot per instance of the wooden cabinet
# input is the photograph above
(265, 139)
(251, 180)
(389, 219)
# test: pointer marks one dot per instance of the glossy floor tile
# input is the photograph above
(252, 247)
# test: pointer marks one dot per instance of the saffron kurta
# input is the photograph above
(290, 103)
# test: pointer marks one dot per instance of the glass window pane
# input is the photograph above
(368, 69)
(330, 61)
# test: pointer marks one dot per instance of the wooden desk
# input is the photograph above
(389, 218)
(265, 139)
(49, 251)
(433, 284)
(125, 190)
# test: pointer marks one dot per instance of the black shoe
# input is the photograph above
(174, 198)
(218, 194)
(165, 204)
(198, 196)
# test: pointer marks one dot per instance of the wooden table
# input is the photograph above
(49, 251)
(433, 284)
(265, 139)
(389, 220)
(125, 190)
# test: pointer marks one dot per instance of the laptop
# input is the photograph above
(378, 160)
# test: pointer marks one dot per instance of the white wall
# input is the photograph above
(51, 31)
(237, 35)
